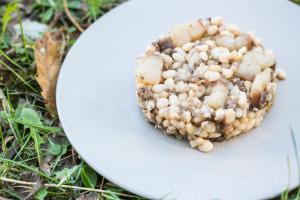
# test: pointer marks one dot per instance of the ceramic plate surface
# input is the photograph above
(98, 108)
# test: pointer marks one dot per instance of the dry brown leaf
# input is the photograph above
(48, 55)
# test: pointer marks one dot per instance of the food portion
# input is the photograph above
(206, 81)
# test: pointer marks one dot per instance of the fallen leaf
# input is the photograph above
(48, 54)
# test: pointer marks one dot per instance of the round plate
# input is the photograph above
(98, 108)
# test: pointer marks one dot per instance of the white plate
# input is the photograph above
(99, 112)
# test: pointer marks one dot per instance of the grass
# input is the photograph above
(36, 159)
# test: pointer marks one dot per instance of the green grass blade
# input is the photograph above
(296, 151)
(8, 110)
(4, 148)
(297, 159)
(7, 16)
(55, 163)
(296, 1)
(37, 144)
(34, 125)
(18, 76)
(32, 169)
(23, 36)
(22, 148)
(16, 196)
(66, 174)
(10, 60)
(94, 7)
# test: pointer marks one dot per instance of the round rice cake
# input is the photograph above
(206, 81)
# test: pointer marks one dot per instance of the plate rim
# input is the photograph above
(67, 131)
(61, 115)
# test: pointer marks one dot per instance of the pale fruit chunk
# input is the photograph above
(180, 35)
(280, 74)
(149, 69)
(220, 87)
(216, 100)
(259, 85)
(263, 59)
(248, 70)
(229, 116)
(226, 41)
(270, 59)
(218, 96)
(220, 52)
(250, 56)
(243, 40)
(206, 146)
(211, 76)
(196, 30)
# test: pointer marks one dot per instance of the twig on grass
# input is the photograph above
(71, 18)
(65, 186)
